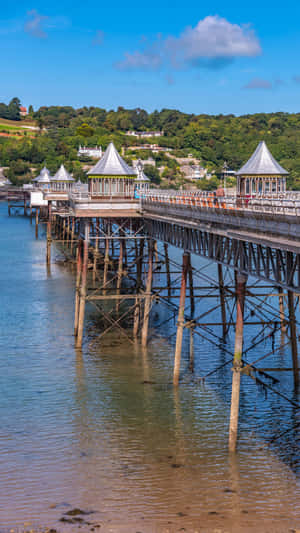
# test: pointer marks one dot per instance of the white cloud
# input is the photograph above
(213, 42)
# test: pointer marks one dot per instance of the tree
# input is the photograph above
(14, 109)
(152, 173)
(85, 130)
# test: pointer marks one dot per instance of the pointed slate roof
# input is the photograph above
(62, 175)
(44, 176)
(262, 163)
(111, 164)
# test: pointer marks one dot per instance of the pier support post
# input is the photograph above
(106, 263)
(36, 222)
(83, 287)
(241, 281)
(119, 274)
(136, 317)
(281, 310)
(191, 287)
(293, 336)
(180, 321)
(191, 362)
(96, 249)
(72, 235)
(139, 264)
(78, 281)
(147, 306)
(222, 299)
(49, 234)
(167, 262)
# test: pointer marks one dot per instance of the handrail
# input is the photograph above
(288, 204)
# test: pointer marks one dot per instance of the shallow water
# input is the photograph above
(83, 429)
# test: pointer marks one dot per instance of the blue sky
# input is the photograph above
(225, 57)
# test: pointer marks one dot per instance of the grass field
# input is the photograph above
(18, 123)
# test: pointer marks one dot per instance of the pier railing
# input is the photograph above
(288, 204)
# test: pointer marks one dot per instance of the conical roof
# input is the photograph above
(111, 164)
(262, 163)
(44, 176)
(62, 175)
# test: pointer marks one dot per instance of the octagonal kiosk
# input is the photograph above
(111, 189)
(261, 176)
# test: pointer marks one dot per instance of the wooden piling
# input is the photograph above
(136, 317)
(191, 362)
(241, 281)
(106, 264)
(180, 321)
(281, 310)
(191, 287)
(293, 337)
(222, 299)
(49, 234)
(36, 222)
(78, 282)
(148, 297)
(96, 249)
(119, 273)
(72, 235)
(83, 287)
(167, 263)
(139, 264)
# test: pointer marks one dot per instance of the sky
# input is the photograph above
(199, 57)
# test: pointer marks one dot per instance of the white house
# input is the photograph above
(95, 152)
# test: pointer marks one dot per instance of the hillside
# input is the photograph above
(210, 139)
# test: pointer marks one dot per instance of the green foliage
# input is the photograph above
(12, 110)
(152, 173)
(85, 130)
(208, 185)
(212, 139)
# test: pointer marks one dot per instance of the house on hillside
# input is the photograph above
(144, 134)
(23, 111)
(194, 172)
(95, 153)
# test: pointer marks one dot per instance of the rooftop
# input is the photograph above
(44, 176)
(262, 163)
(62, 175)
(111, 164)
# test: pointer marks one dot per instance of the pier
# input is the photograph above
(118, 238)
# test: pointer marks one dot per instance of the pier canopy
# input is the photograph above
(261, 175)
(43, 180)
(62, 180)
(111, 176)
(142, 183)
